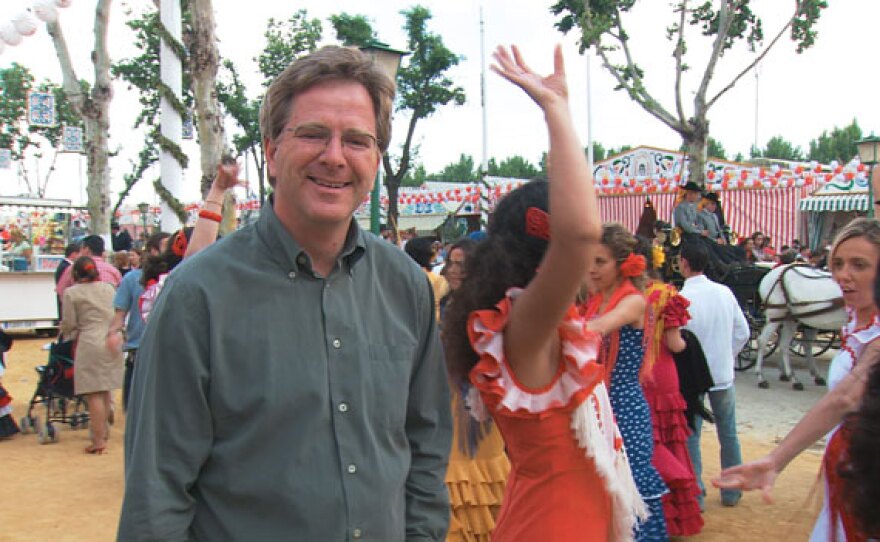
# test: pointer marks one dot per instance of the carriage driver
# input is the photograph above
(684, 215)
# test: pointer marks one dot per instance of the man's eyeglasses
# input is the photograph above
(320, 136)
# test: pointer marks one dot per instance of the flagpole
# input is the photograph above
(589, 116)
(484, 166)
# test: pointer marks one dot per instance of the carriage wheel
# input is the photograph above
(823, 342)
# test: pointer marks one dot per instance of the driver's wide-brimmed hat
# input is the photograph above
(691, 186)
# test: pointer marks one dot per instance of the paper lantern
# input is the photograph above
(744, 174)
(45, 10)
(799, 170)
(710, 175)
(25, 24)
(10, 35)
(849, 175)
(725, 185)
(802, 182)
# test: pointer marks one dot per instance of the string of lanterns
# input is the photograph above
(25, 22)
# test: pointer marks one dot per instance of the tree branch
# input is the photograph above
(637, 90)
(650, 105)
(679, 52)
(70, 81)
(758, 58)
(725, 19)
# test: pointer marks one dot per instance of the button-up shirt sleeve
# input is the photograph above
(429, 432)
(166, 444)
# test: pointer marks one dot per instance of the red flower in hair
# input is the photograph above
(538, 223)
(633, 266)
(178, 247)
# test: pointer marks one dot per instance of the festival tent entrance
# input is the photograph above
(835, 203)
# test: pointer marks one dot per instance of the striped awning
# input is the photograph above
(842, 202)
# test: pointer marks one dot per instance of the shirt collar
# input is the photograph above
(696, 279)
(291, 255)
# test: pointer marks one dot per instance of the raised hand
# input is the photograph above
(227, 175)
(760, 474)
(544, 90)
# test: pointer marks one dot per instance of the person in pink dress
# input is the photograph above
(512, 330)
(661, 387)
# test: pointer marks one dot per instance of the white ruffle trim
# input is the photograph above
(863, 336)
(597, 433)
(516, 398)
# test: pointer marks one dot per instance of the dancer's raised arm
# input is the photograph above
(574, 222)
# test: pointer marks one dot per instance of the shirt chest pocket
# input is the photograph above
(391, 368)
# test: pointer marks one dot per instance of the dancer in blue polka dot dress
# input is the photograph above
(616, 309)
(634, 419)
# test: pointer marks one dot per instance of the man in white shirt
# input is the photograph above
(719, 324)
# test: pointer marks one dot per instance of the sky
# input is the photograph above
(794, 96)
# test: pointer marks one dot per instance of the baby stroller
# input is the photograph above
(55, 390)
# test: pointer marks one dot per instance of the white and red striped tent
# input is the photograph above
(753, 198)
(774, 212)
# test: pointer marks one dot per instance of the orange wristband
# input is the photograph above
(210, 215)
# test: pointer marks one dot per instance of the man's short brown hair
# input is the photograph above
(330, 63)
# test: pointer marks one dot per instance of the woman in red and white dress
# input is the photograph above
(512, 330)
(855, 257)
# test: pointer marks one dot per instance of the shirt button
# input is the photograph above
(343, 407)
(352, 468)
(337, 343)
(292, 274)
(356, 533)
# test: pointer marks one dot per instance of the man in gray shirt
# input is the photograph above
(708, 220)
(685, 213)
(289, 384)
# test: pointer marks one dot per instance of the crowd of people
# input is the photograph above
(305, 379)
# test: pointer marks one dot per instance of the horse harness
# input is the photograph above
(834, 304)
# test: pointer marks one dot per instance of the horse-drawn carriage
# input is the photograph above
(796, 305)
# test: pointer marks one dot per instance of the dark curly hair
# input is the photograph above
(508, 257)
(155, 266)
(861, 471)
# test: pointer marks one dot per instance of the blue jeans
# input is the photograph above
(723, 403)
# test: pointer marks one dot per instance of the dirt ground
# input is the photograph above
(56, 492)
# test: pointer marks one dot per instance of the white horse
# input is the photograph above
(798, 294)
